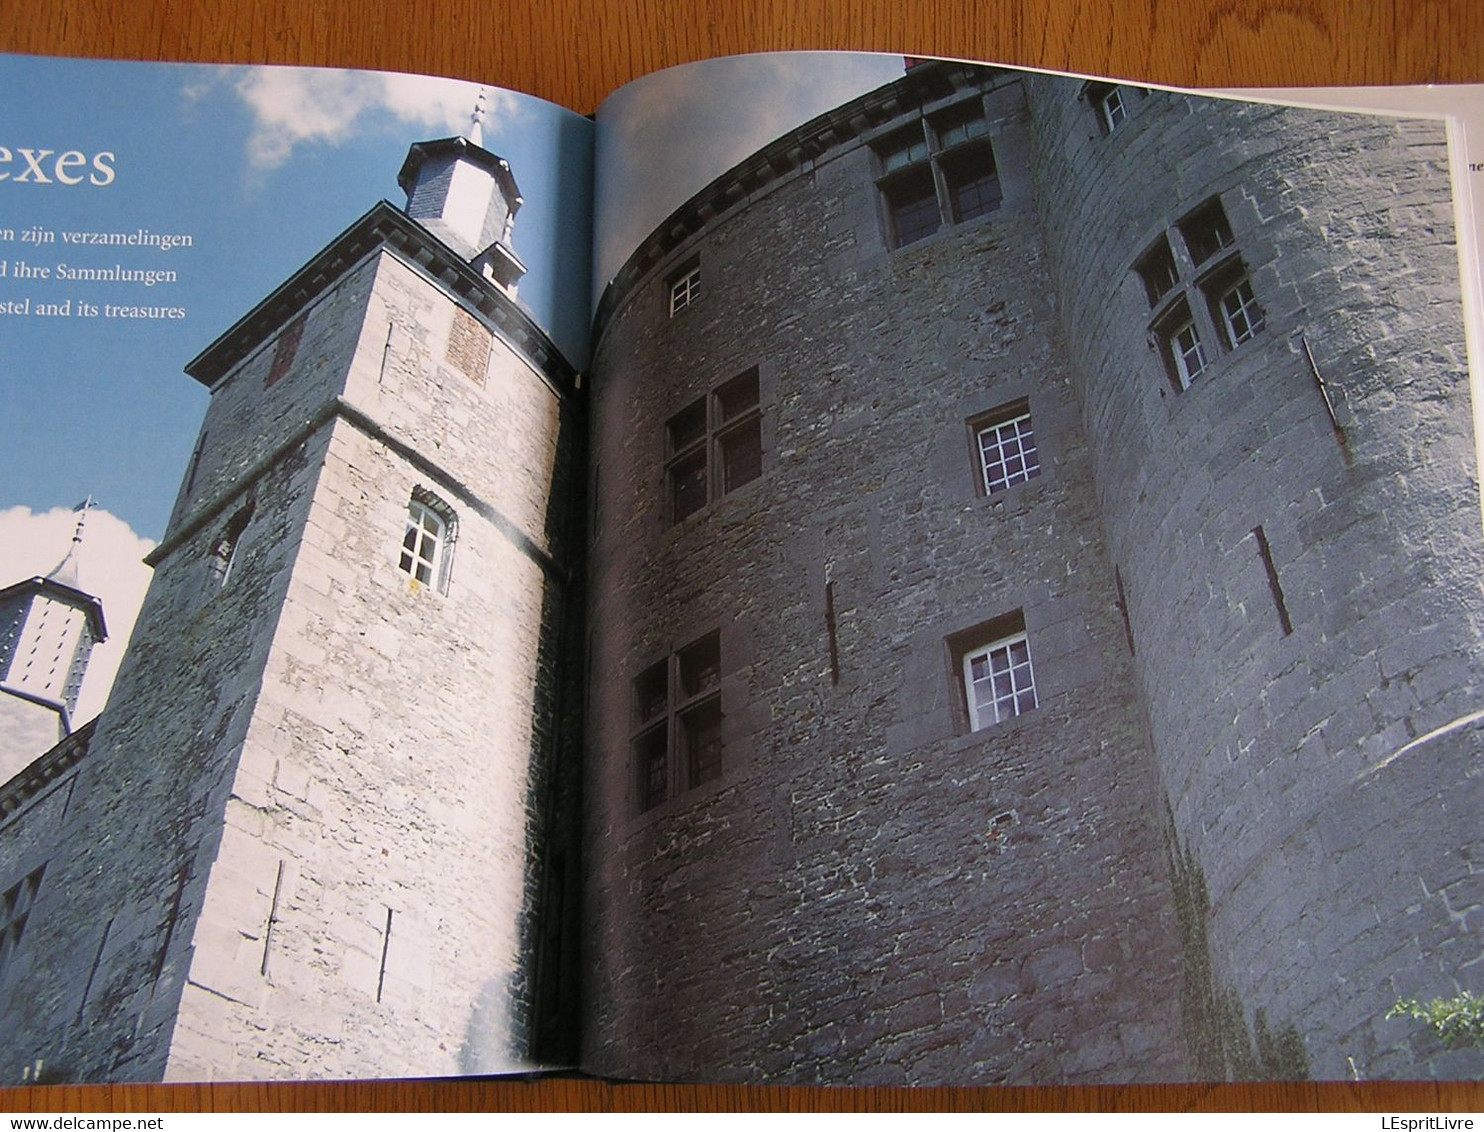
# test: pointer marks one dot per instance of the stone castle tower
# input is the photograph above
(1035, 632)
(1034, 629)
(335, 722)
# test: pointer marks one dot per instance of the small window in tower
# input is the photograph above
(689, 723)
(15, 911)
(1005, 447)
(739, 437)
(651, 694)
(652, 761)
(1206, 231)
(427, 541)
(992, 665)
(1234, 305)
(972, 182)
(224, 552)
(1110, 103)
(1180, 343)
(912, 204)
(714, 446)
(685, 287)
(686, 468)
(1156, 268)
(700, 728)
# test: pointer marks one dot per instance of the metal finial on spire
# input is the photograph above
(474, 132)
(66, 570)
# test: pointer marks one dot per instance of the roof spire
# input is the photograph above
(66, 570)
(474, 131)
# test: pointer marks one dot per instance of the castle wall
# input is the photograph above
(382, 811)
(1303, 589)
(95, 986)
(869, 891)
(301, 845)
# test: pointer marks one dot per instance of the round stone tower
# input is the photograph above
(1264, 325)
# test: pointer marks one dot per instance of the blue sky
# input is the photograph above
(261, 167)
(264, 166)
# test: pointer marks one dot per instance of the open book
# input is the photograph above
(845, 569)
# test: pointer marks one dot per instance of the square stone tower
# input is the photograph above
(305, 839)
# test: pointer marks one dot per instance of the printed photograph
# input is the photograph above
(1035, 597)
(848, 570)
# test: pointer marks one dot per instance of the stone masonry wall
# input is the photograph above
(382, 813)
(1334, 854)
(300, 846)
(869, 893)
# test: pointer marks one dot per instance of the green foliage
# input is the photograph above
(1458, 1022)
(1221, 1045)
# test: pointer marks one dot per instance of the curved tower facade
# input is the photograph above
(1035, 612)
(1267, 342)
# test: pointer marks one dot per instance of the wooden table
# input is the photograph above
(574, 52)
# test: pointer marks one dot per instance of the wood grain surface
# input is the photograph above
(575, 52)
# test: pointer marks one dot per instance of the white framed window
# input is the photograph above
(1240, 313)
(1111, 109)
(422, 547)
(685, 288)
(427, 540)
(1187, 353)
(999, 681)
(1112, 103)
(1005, 444)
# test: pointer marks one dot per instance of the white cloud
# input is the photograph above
(110, 567)
(292, 106)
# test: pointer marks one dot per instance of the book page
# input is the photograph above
(310, 834)
(1035, 605)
